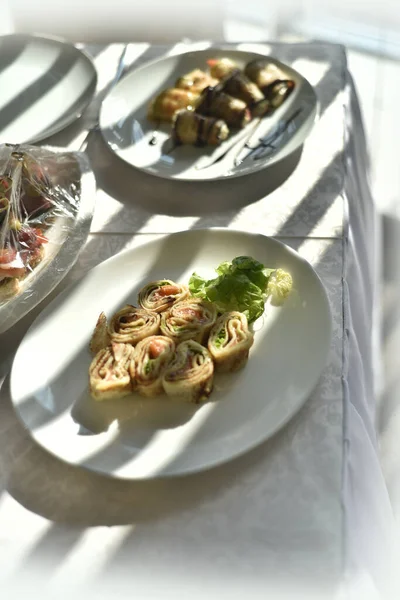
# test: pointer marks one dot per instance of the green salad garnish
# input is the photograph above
(243, 285)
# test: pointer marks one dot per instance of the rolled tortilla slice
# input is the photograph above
(109, 372)
(130, 325)
(150, 359)
(161, 295)
(100, 338)
(189, 378)
(230, 341)
(190, 319)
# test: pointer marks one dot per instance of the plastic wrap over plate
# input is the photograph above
(47, 199)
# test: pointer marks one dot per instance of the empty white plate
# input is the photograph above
(130, 134)
(136, 437)
(45, 85)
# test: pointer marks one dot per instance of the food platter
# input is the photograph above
(65, 236)
(147, 144)
(136, 438)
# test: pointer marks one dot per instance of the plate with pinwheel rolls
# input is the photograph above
(209, 114)
(174, 356)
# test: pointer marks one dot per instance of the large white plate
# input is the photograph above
(45, 85)
(141, 438)
(128, 132)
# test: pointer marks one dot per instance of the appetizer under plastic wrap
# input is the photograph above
(151, 358)
(162, 294)
(189, 378)
(109, 372)
(195, 81)
(31, 199)
(130, 325)
(191, 128)
(166, 104)
(189, 319)
(215, 103)
(230, 341)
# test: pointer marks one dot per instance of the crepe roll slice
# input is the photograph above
(100, 338)
(221, 67)
(151, 358)
(230, 341)
(130, 325)
(189, 378)
(263, 73)
(190, 319)
(109, 372)
(195, 81)
(166, 104)
(239, 86)
(160, 295)
(194, 129)
(215, 103)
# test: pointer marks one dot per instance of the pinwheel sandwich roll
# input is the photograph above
(130, 325)
(109, 372)
(189, 378)
(189, 319)
(159, 295)
(151, 358)
(230, 341)
(100, 338)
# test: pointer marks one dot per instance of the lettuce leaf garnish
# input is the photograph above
(241, 285)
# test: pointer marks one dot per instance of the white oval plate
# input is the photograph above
(136, 438)
(45, 85)
(128, 132)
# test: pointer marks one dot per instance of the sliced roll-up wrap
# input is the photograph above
(189, 378)
(130, 325)
(161, 295)
(151, 358)
(230, 341)
(100, 338)
(190, 319)
(110, 372)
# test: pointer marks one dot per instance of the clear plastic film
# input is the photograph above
(46, 204)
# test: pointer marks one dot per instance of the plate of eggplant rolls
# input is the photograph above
(174, 356)
(209, 114)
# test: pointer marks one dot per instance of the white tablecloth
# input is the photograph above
(305, 514)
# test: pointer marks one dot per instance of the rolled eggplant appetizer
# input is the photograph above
(239, 86)
(151, 358)
(191, 319)
(221, 67)
(230, 341)
(160, 295)
(194, 129)
(130, 325)
(217, 104)
(109, 372)
(166, 104)
(278, 91)
(263, 73)
(195, 81)
(189, 378)
(100, 338)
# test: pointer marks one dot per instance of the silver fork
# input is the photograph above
(117, 77)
